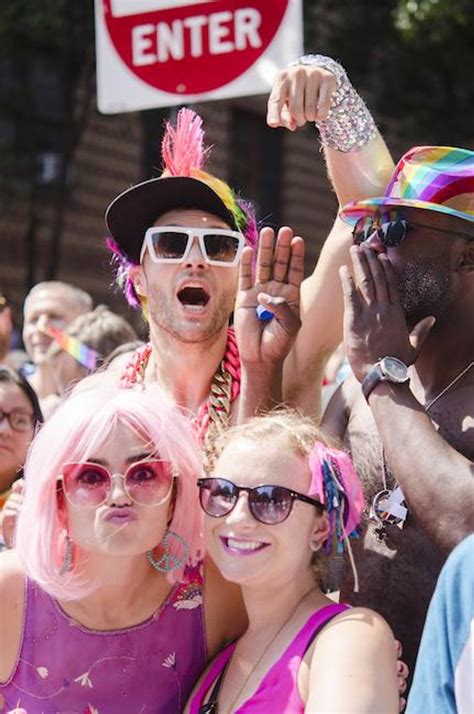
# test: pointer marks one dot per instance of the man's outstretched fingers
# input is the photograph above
(245, 269)
(265, 255)
(296, 267)
(326, 91)
(362, 274)
(349, 291)
(282, 254)
(381, 288)
(393, 293)
(276, 100)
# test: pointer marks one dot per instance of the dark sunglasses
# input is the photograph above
(392, 233)
(267, 504)
(167, 244)
(89, 485)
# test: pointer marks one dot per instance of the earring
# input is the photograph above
(66, 565)
(169, 561)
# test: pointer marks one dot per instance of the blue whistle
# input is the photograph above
(263, 313)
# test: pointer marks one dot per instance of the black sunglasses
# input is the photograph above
(392, 233)
(267, 504)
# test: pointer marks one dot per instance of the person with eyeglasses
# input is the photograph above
(105, 602)
(19, 415)
(178, 240)
(406, 414)
(277, 497)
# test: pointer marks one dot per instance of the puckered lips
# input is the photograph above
(194, 296)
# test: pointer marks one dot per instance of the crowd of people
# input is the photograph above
(188, 525)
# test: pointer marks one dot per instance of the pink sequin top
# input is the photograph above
(278, 690)
(65, 668)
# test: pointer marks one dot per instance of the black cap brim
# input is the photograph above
(136, 209)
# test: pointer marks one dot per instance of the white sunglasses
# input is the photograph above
(171, 244)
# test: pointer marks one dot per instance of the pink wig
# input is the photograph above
(184, 153)
(77, 428)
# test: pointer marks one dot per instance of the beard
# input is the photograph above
(161, 313)
(425, 289)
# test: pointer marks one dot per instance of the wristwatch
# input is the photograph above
(388, 369)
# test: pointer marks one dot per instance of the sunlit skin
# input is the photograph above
(161, 284)
(425, 263)
(119, 527)
(49, 306)
(283, 553)
(13, 444)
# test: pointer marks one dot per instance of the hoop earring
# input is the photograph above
(169, 561)
(66, 565)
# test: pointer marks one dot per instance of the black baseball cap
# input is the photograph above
(136, 209)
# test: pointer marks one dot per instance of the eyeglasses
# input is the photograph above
(18, 420)
(89, 485)
(392, 233)
(168, 244)
(268, 504)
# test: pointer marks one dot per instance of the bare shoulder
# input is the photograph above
(362, 644)
(359, 623)
(11, 610)
(224, 610)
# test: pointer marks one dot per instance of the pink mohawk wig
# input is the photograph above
(182, 149)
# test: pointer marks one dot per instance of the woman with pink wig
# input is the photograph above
(110, 616)
(278, 494)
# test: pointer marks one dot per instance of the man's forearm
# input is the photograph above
(437, 481)
(260, 390)
(361, 173)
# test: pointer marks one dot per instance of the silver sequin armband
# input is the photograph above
(349, 124)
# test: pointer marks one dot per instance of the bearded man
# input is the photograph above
(407, 414)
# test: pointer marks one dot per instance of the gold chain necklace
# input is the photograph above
(259, 660)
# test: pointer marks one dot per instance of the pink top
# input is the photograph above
(280, 682)
(148, 668)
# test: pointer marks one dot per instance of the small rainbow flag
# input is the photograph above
(81, 353)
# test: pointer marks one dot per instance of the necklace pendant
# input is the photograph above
(387, 508)
(381, 533)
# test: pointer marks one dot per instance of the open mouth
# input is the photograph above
(193, 297)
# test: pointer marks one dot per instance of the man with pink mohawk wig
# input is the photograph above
(186, 253)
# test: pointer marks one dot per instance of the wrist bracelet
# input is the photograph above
(349, 124)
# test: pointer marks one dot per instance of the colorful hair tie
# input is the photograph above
(337, 485)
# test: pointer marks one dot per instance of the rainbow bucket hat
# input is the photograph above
(433, 178)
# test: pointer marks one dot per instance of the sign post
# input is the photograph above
(155, 53)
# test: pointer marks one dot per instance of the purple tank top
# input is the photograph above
(280, 682)
(64, 668)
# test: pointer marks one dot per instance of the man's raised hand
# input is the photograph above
(276, 286)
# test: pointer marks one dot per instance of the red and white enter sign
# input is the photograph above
(153, 53)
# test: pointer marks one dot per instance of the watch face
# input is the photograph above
(394, 369)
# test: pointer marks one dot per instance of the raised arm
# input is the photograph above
(359, 166)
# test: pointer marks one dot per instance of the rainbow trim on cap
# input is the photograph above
(433, 178)
(86, 356)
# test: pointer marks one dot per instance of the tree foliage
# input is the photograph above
(412, 57)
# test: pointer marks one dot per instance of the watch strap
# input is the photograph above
(371, 379)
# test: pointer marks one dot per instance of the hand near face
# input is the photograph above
(10, 513)
(276, 286)
(374, 323)
(300, 94)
